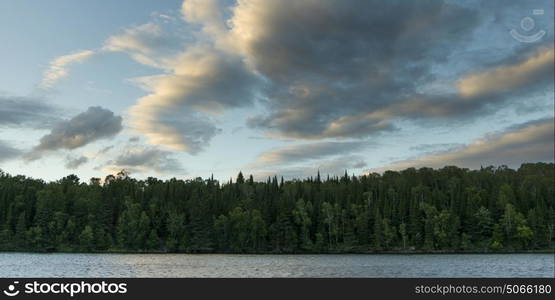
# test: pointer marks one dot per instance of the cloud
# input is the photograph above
(148, 44)
(331, 167)
(338, 70)
(509, 77)
(306, 152)
(75, 162)
(529, 142)
(478, 94)
(105, 149)
(8, 152)
(200, 82)
(138, 159)
(178, 128)
(58, 68)
(26, 112)
(320, 70)
(326, 61)
(303, 160)
(94, 124)
(179, 112)
(205, 12)
(432, 148)
(332, 60)
(205, 80)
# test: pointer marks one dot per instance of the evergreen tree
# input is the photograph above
(86, 239)
(448, 209)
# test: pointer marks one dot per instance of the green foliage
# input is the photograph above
(301, 215)
(449, 209)
(153, 242)
(86, 239)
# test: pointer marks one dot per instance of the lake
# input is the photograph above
(227, 265)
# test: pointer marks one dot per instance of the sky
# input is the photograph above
(271, 87)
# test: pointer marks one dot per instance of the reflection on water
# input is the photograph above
(185, 265)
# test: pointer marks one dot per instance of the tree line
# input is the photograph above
(448, 209)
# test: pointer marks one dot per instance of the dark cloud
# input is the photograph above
(26, 112)
(332, 59)
(94, 124)
(144, 160)
(75, 162)
(529, 142)
(340, 70)
(8, 152)
(478, 94)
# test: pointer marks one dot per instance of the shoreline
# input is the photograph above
(546, 251)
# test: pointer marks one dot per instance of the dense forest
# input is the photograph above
(449, 209)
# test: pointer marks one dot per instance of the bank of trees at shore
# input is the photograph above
(450, 209)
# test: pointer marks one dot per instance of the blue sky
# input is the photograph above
(194, 88)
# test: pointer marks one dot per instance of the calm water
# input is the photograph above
(184, 265)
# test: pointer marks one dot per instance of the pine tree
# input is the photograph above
(448, 209)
